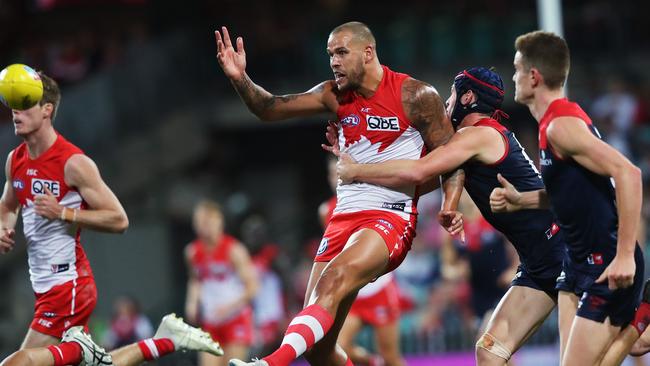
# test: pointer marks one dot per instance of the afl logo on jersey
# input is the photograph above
(18, 184)
(39, 185)
(390, 124)
(323, 246)
(350, 120)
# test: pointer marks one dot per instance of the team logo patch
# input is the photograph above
(39, 185)
(543, 160)
(18, 184)
(552, 231)
(388, 124)
(58, 268)
(323, 246)
(350, 120)
(385, 223)
(595, 259)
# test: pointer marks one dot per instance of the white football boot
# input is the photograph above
(254, 362)
(93, 355)
(186, 337)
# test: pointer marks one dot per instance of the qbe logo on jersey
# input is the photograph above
(39, 185)
(376, 123)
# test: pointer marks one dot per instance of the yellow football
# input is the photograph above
(20, 87)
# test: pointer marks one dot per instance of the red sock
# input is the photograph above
(68, 353)
(307, 328)
(641, 317)
(155, 348)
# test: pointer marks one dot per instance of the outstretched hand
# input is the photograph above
(332, 138)
(233, 62)
(505, 198)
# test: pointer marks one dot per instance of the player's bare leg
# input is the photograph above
(206, 359)
(567, 304)
(387, 340)
(519, 313)
(34, 339)
(633, 339)
(30, 357)
(364, 258)
(338, 355)
(351, 327)
(588, 341)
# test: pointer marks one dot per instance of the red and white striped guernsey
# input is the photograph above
(54, 251)
(374, 130)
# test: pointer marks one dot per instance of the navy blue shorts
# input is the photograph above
(546, 283)
(597, 301)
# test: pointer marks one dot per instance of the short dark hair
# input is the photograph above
(51, 93)
(361, 32)
(548, 53)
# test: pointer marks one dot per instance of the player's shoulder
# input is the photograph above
(418, 88)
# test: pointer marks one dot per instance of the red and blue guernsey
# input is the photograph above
(533, 233)
(583, 201)
(585, 206)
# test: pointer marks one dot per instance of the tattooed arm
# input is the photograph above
(266, 106)
(426, 111)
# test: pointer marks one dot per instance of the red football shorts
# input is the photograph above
(380, 308)
(397, 233)
(64, 306)
(238, 330)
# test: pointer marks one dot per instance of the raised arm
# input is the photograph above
(104, 213)
(264, 105)
(570, 138)
(9, 207)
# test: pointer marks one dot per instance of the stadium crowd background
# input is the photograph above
(143, 95)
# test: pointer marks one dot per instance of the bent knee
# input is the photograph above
(18, 358)
(336, 281)
(491, 351)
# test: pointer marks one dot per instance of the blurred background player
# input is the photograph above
(78, 348)
(60, 191)
(602, 274)
(127, 325)
(269, 302)
(383, 114)
(486, 260)
(377, 304)
(222, 284)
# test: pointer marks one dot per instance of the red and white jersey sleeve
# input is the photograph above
(220, 284)
(54, 252)
(374, 130)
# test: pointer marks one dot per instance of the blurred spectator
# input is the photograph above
(486, 261)
(128, 324)
(614, 113)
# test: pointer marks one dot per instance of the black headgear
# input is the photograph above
(488, 87)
